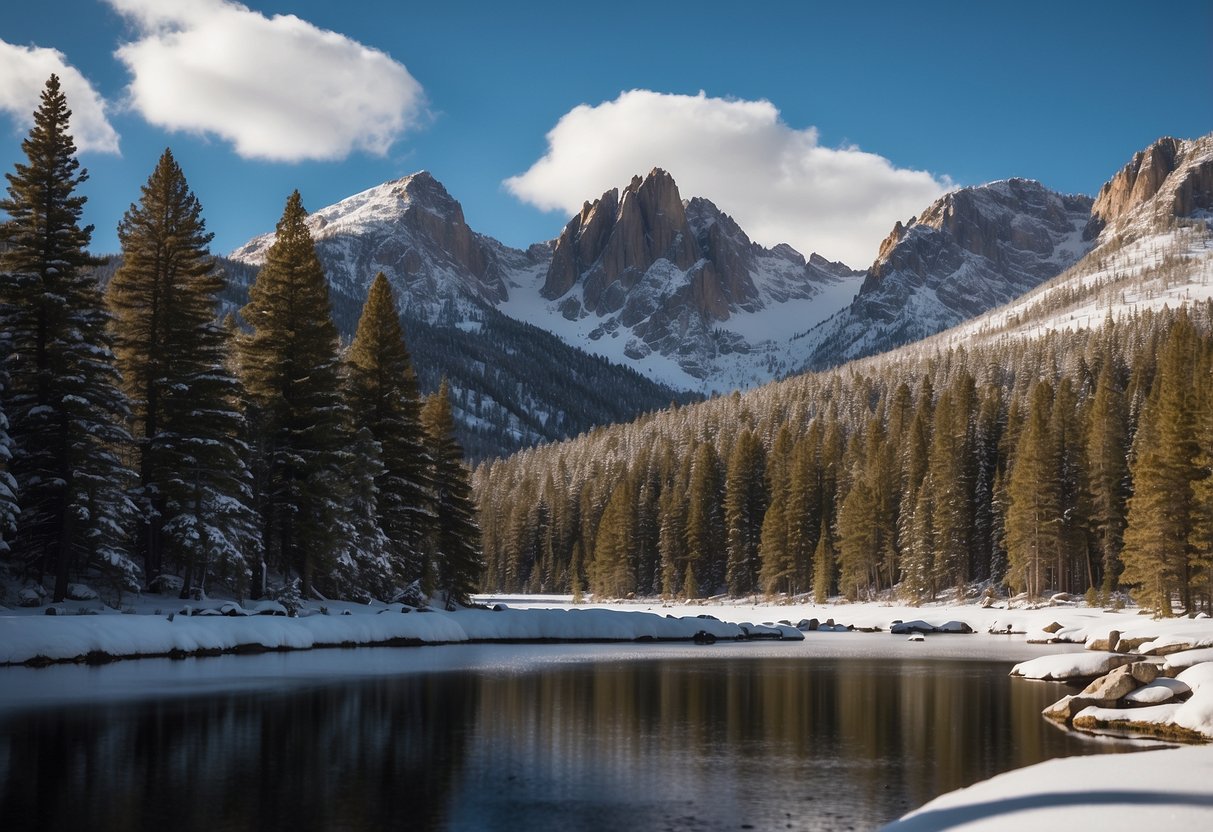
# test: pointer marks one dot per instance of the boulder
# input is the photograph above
(1051, 628)
(1065, 709)
(1144, 672)
(1112, 687)
(29, 597)
(81, 592)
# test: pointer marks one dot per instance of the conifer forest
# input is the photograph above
(145, 442)
(1078, 462)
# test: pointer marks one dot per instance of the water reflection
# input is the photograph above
(693, 743)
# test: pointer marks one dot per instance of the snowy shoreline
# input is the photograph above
(1048, 794)
(97, 639)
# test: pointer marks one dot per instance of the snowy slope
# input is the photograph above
(1157, 251)
(971, 250)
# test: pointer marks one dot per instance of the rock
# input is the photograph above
(1051, 628)
(1170, 178)
(29, 597)
(1112, 687)
(1130, 645)
(1065, 709)
(81, 592)
(1106, 645)
(1144, 672)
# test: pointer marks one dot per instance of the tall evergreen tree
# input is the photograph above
(1157, 543)
(384, 401)
(194, 489)
(705, 530)
(66, 413)
(8, 486)
(1034, 513)
(456, 537)
(292, 374)
(858, 545)
(745, 504)
(1107, 453)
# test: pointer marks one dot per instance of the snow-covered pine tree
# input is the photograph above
(299, 420)
(8, 486)
(65, 409)
(195, 489)
(456, 535)
(383, 398)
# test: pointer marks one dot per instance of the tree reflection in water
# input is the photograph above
(701, 742)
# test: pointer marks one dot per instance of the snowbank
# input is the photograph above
(67, 638)
(1108, 792)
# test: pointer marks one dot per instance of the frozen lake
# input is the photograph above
(839, 731)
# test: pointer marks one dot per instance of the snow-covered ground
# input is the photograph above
(1149, 790)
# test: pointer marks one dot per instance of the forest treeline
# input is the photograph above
(145, 443)
(1076, 462)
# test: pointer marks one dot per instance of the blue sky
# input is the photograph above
(811, 113)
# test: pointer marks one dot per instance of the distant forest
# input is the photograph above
(1074, 462)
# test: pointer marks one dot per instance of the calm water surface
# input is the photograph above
(779, 736)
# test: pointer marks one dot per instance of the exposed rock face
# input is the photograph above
(615, 240)
(413, 231)
(662, 272)
(1170, 178)
(971, 250)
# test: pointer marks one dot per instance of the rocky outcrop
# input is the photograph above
(1170, 178)
(971, 250)
(662, 273)
(616, 239)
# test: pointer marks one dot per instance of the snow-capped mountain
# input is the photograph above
(971, 250)
(677, 289)
(1152, 238)
(414, 232)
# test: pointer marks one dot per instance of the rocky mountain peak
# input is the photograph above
(972, 249)
(412, 230)
(617, 237)
(1170, 178)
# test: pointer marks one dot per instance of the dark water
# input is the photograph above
(682, 740)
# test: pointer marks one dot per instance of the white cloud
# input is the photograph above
(277, 88)
(23, 74)
(777, 182)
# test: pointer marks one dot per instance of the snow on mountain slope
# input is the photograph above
(1153, 247)
(414, 232)
(677, 289)
(971, 250)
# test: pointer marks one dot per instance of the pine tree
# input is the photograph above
(858, 547)
(384, 400)
(292, 374)
(194, 485)
(1107, 451)
(745, 504)
(8, 486)
(456, 537)
(613, 572)
(65, 410)
(823, 566)
(1157, 554)
(777, 572)
(705, 531)
(1034, 513)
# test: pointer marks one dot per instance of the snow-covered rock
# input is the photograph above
(1068, 666)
